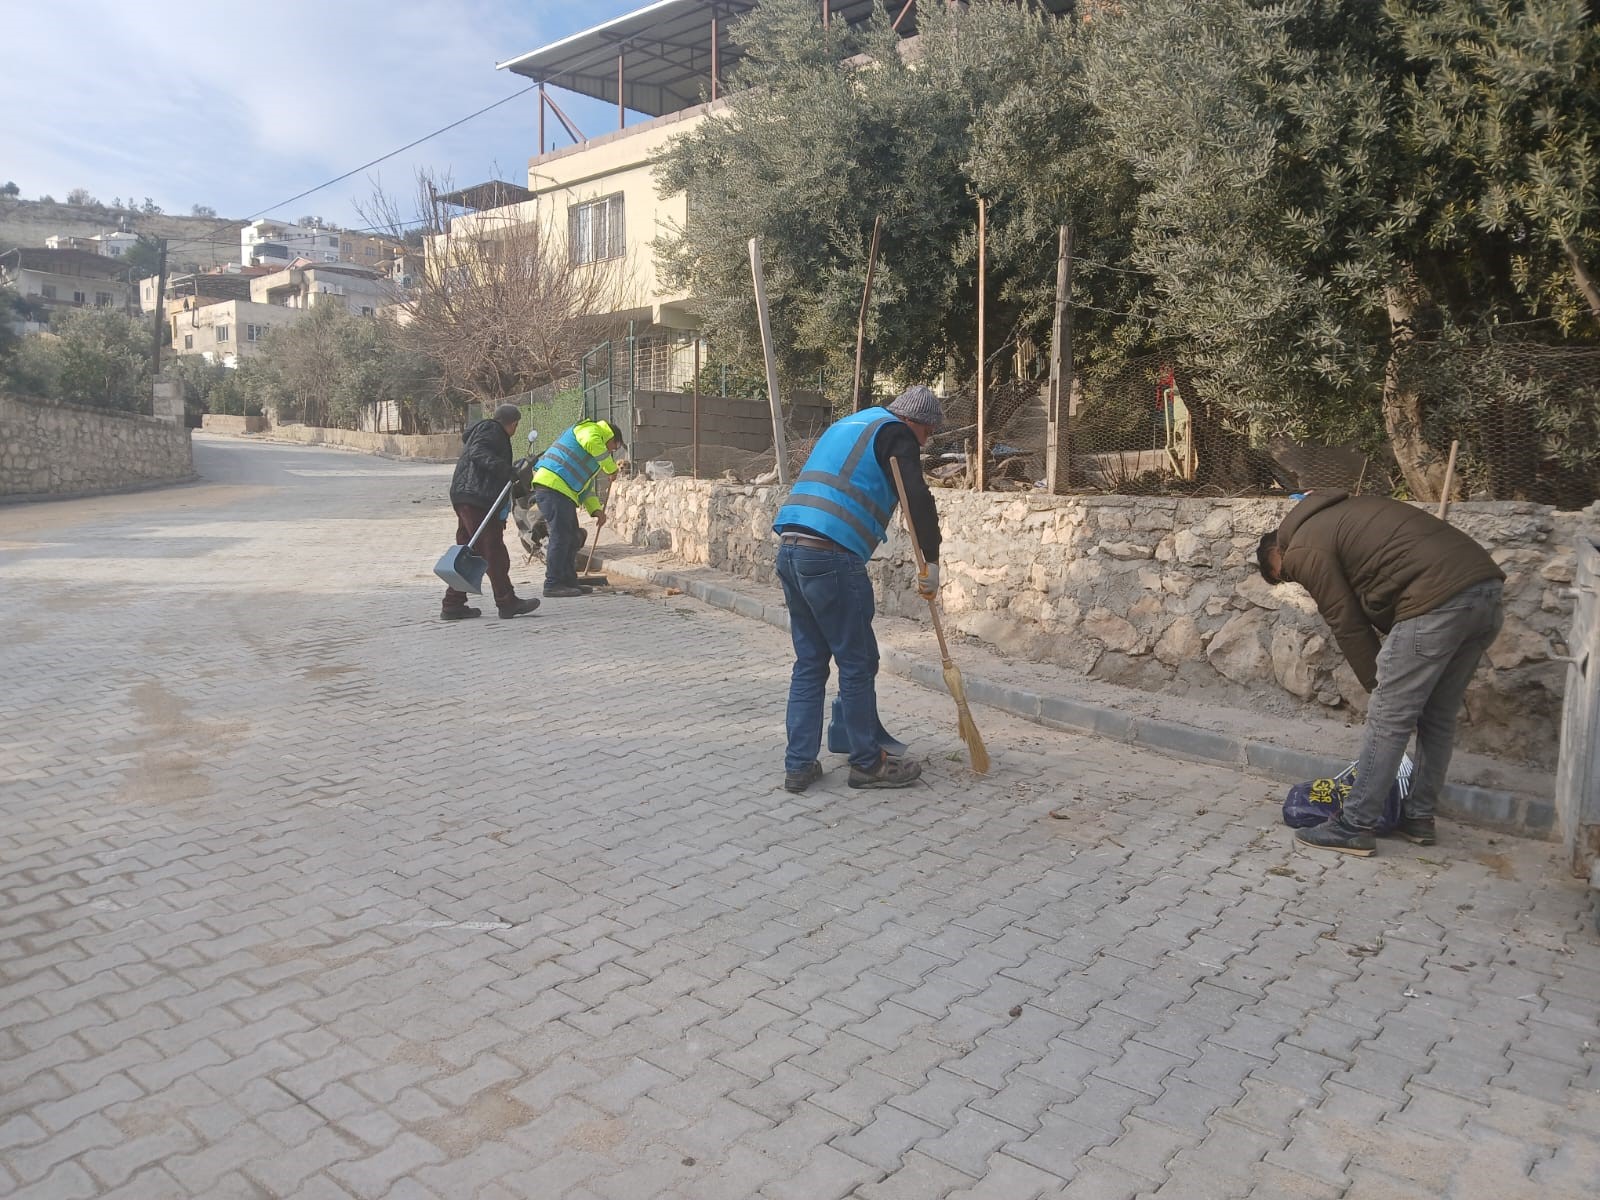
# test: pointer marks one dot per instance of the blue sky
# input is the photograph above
(241, 105)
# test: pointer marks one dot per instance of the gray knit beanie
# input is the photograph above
(919, 404)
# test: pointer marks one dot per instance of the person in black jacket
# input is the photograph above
(482, 472)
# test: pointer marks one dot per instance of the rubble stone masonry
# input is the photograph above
(1162, 594)
(49, 449)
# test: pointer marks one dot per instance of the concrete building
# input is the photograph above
(277, 244)
(66, 278)
(112, 245)
(199, 288)
(360, 290)
(227, 330)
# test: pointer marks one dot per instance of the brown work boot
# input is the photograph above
(518, 608)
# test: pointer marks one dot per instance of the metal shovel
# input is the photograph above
(460, 567)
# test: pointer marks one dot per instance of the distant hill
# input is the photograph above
(197, 241)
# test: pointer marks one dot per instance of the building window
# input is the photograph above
(188, 341)
(47, 291)
(222, 333)
(594, 231)
(254, 333)
(116, 252)
(102, 299)
(366, 310)
(78, 297)
(334, 242)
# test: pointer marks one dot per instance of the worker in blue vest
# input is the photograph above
(563, 479)
(836, 515)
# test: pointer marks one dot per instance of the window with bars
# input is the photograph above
(595, 231)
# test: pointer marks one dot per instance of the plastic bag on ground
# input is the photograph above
(1321, 800)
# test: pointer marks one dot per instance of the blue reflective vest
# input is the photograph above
(843, 494)
(569, 462)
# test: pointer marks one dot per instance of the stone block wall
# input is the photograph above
(1161, 593)
(223, 423)
(436, 447)
(49, 449)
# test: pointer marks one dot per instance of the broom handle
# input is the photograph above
(916, 548)
(489, 516)
(1449, 479)
(589, 562)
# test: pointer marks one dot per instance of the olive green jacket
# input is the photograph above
(1369, 561)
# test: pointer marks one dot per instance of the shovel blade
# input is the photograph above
(461, 569)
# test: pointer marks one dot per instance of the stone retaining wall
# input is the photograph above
(222, 423)
(435, 446)
(1161, 593)
(49, 449)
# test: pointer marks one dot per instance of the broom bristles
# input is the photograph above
(977, 752)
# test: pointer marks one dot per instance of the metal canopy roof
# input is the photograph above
(666, 51)
(496, 193)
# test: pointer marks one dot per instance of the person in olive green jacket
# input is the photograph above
(1376, 565)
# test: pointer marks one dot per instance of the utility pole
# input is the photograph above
(978, 472)
(161, 309)
(1058, 448)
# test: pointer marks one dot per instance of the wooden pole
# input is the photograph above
(1057, 453)
(713, 54)
(1449, 480)
(778, 447)
(861, 322)
(980, 473)
(161, 310)
(694, 415)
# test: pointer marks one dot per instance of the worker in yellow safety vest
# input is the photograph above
(563, 479)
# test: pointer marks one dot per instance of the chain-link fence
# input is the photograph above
(1524, 414)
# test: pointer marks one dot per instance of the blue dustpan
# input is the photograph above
(459, 566)
(837, 743)
(461, 569)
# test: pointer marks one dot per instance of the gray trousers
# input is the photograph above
(1423, 672)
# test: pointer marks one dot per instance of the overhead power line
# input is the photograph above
(364, 166)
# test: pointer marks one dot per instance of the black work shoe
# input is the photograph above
(517, 608)
(799, 781)
(458, 614)
(889, 773)
(1336, 835)
(562, 590)
(1417, 830)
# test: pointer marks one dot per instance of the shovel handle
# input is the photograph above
(916, 548)
(489, 516)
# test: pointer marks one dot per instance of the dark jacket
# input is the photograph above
(1369, 561)
(485, 465)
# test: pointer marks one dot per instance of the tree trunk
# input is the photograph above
(1402, 407)
(1581, 276)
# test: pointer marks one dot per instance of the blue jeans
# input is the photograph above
(561, 544)
(1423, 672)
(830, 616)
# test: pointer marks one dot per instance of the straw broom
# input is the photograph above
(965, 725)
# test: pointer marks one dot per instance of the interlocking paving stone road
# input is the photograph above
(306, 893)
